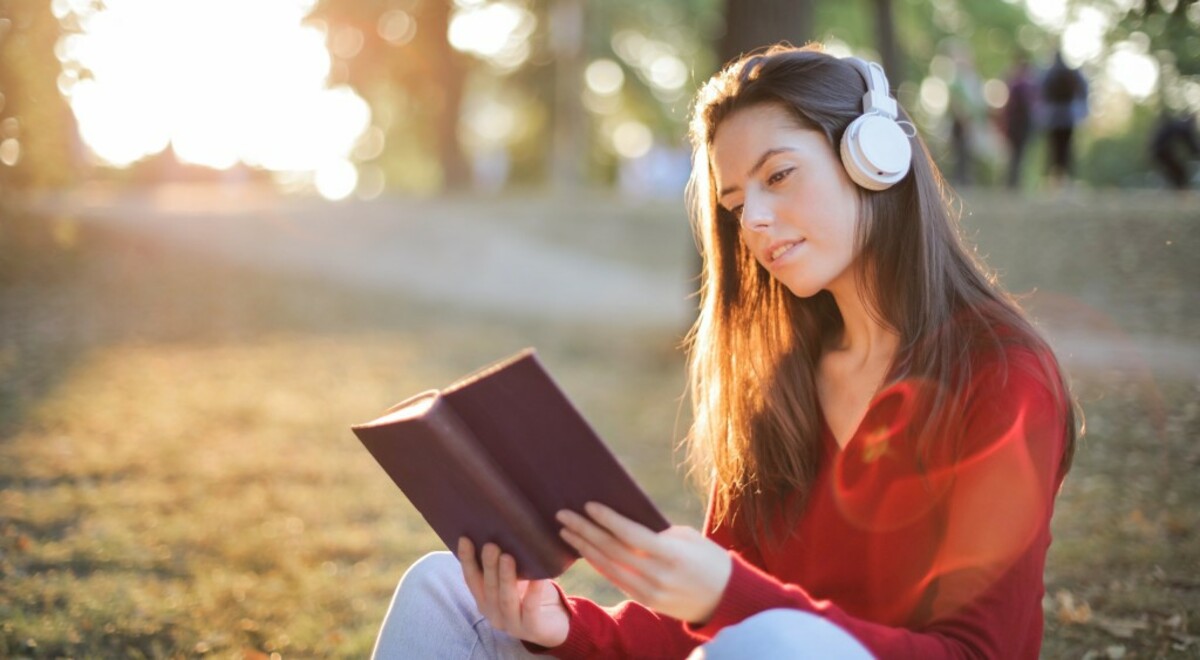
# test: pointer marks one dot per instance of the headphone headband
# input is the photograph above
(878, 98)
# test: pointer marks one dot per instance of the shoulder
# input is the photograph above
(1017, 393)
(1012, 361)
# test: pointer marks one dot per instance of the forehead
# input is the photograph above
(758, 121)
(742, 138)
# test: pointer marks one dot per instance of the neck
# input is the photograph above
(864, 339)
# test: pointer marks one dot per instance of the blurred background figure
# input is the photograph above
(1170, 137)
(967, 112)
(1064, 96)
(1018, 115)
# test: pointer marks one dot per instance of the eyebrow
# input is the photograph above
(762, 160)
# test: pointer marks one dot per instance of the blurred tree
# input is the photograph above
(1169, 30)
(449, 75)
(917, 32)
(1172, 25)
(397, 55)
(662, 50)
(38, 142)
(749, 25)
(885, 37)
(566, 38)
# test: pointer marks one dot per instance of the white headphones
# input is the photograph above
(876, 151)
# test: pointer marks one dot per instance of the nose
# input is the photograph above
(756, 213)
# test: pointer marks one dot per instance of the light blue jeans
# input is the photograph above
(433, 615)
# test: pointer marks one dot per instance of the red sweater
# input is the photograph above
(936, 560)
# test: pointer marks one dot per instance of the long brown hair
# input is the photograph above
(755, 347)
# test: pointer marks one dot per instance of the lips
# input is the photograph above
(778, 250)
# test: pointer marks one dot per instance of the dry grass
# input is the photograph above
(177, 477)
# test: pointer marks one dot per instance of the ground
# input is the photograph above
(178, 371)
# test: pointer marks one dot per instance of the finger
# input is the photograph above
(603, 540)
(491, 581)
(628, 531)
(510, 599)
(628, 579)
(472, 574)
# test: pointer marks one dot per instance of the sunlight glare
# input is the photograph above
(1083, 39)
(497, 32)
(336, 180)
(221, 81)
(1050, 14)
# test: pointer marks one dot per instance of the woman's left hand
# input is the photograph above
(677, 572)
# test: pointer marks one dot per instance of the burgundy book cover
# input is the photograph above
(495, 455)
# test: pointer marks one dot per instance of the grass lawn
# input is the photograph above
(177, 477)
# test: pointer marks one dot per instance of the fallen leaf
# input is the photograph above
(1068, 611)
(1122, 628)
(1184, 640)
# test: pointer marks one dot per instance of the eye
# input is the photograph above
(779, 176)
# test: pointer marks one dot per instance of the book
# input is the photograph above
(495, 455)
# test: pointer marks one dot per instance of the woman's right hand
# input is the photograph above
(526, 609)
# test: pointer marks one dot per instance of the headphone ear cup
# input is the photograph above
(875, 152)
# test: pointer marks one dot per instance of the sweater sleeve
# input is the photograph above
(629, 630)
(986, 580)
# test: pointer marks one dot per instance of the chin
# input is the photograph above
(804, 291)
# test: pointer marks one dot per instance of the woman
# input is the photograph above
(882, 430)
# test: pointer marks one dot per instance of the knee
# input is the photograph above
(784, 634)
(433, 573)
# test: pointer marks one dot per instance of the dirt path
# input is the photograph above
(468, 259)
(392, 246)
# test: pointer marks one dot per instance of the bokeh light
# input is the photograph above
(632, 139)
(10, 152)
(1083, 38)
(497, 32)
(1133, 69)
(935, 96)
(995, 93)
(397, 27)
(604, 77)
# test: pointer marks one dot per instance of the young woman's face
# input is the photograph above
(797, 207)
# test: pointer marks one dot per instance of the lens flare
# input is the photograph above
(961, 513)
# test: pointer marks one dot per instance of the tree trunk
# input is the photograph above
(450, 72)
(749, 25)
(885, 34)
(568, 147)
